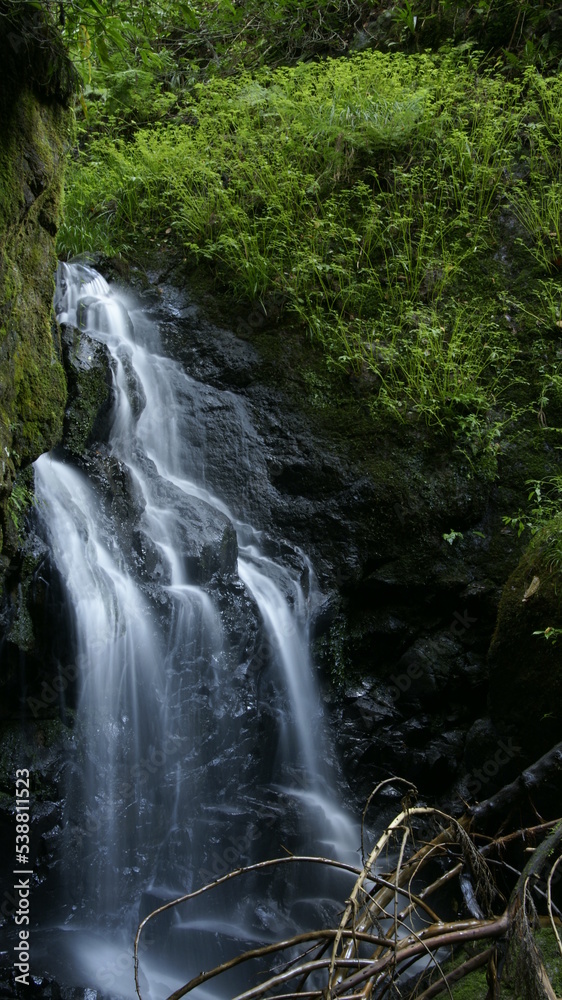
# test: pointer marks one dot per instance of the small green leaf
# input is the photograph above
(97, 7)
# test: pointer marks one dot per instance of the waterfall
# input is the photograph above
(201, 740)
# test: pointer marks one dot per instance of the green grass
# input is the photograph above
(543, 522)
(368, 194)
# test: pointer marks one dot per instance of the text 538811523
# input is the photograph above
(22, 875)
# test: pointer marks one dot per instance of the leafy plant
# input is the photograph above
(543, 520)
(20, 500)
(550, 633)
(405, 17)
(364, 192)
(540, 212)
(451, 536)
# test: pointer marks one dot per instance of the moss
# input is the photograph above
(332, 653)
(32, 55)
(33, 141)
(475, 986)
(21, 632)
(552, 958)
(525, 668)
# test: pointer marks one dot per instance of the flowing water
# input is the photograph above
(201, 744)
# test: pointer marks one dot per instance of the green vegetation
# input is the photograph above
(543, 521)
(21, 499)
(475, 986)
(369, 195)
(178, 39)
(34, 134)
(393, 187)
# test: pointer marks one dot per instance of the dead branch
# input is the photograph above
(549, 903)
(260, 866)
(499, 805)
(382, 931)
(268, 949)
(529, 971)
(471, 964)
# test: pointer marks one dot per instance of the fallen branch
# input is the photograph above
(367, 952)
(471, 964)
(510, 796)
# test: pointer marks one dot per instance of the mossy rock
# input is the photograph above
(33, 140)
(525, 661)
(475, 986)
(89, 386)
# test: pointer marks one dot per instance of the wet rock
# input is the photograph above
(44, 988)
(428, 667)
(525, 699)
(89, 387)
(397, 597)
(34, 131)
(27, 621)
(205, 540)
(481, 743)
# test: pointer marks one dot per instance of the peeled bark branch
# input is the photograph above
(365, 960)
(471, 964)
(499, 805)
(260, 866)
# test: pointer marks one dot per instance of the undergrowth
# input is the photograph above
(365, 193)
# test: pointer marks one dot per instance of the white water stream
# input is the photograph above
(181, 771)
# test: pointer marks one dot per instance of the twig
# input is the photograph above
(397, 880)
(376, 790)
(267, 949)
(381, 843)
(484, 929)
(257, 991)
(459, 973)
(549, 903)
(373, 905)
(259, 866)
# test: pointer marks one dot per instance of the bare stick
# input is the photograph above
(376, 790)
(485, 929)
(381, 843)
(549, 903)
(257, 991)
(267, 949)
(260, 866)
(459, 973)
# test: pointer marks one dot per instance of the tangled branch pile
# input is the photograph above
(391, 938)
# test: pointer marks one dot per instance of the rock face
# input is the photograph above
(402, 632)
(406, 542)
(407, 616)
(35, 83)
(89, 383)
(525, 667)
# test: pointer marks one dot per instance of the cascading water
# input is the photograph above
(202, 744)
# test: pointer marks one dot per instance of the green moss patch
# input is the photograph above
(525, 662)
(33, 385)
